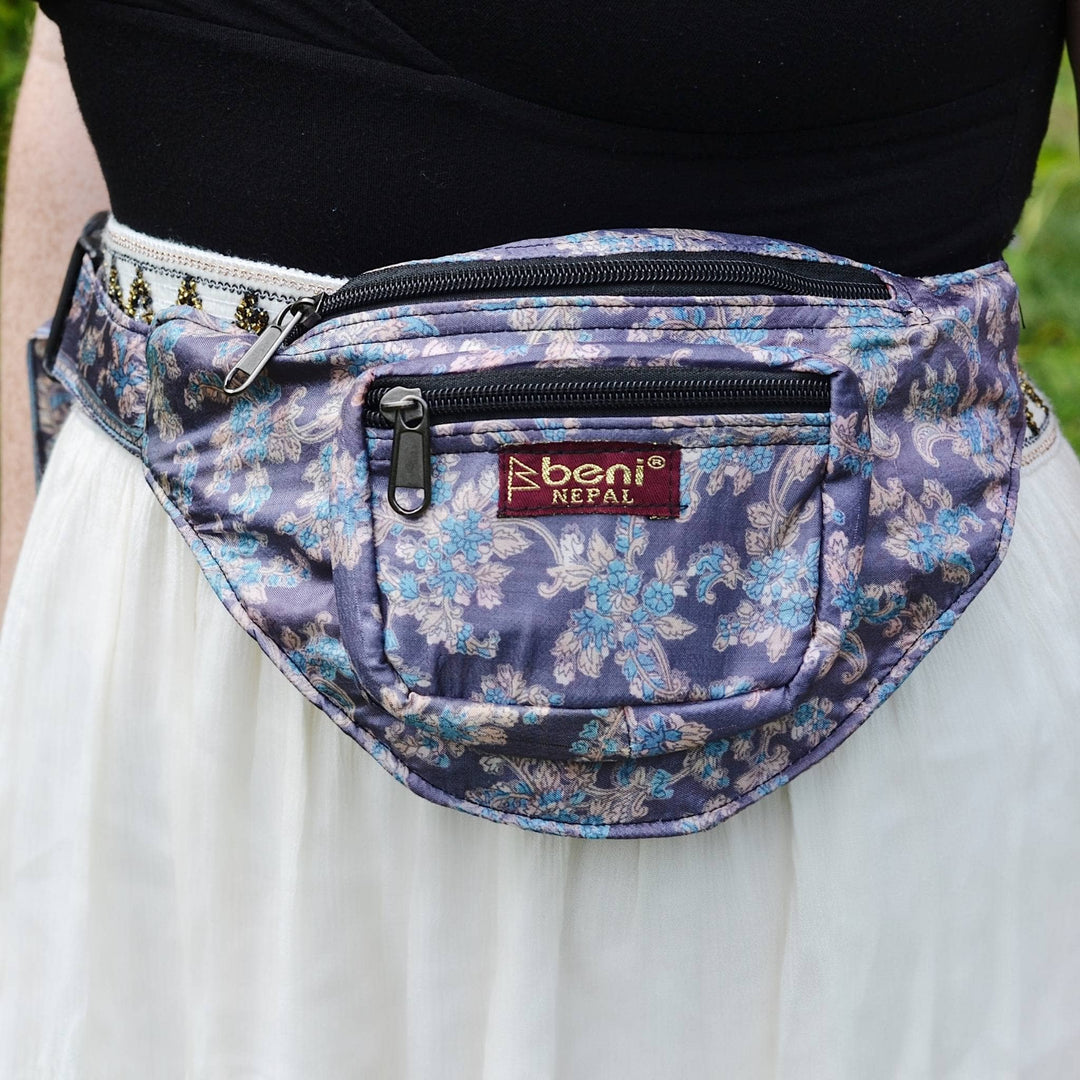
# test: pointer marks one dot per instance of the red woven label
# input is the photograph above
(589, 478)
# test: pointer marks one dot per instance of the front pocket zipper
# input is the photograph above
(411, 404)
(657, 273)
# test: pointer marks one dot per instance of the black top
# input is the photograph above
(339, 136)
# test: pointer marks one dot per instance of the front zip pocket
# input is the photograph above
(596, 537)
(655, 273)
(412, 404)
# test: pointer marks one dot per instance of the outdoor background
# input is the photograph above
(1045, 256)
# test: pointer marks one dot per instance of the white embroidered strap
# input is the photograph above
(146, 274)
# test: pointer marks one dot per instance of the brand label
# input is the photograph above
(589, 478)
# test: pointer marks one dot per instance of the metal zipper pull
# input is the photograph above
(410, 459)
(246, 370)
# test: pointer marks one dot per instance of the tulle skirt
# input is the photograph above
(201, 876)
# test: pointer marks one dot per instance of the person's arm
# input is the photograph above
(54, 184)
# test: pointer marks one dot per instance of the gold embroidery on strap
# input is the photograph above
(115, 293)
(249, 316)
(1032, 396)
(188, 293)
(139, 304)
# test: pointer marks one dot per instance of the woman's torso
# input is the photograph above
(340, 136)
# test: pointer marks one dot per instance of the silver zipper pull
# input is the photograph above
(246, 370)
(410, 459)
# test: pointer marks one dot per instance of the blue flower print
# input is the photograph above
(621, 613)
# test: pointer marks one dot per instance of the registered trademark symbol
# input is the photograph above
(657, 462)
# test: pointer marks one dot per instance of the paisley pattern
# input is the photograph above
(50, 402)
(603, 675)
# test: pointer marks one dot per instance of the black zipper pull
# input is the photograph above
(410, 459)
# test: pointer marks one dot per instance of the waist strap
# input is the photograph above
(94, 350)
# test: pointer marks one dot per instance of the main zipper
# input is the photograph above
(411, 404)
(658, 273)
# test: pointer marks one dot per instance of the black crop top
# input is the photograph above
(338, 136)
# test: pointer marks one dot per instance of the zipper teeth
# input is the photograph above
(552, 395)
(566, 272)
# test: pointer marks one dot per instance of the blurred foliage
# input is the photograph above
(15, 19)
(1045, 255)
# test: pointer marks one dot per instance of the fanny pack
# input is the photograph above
(606, 535)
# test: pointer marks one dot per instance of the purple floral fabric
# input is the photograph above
(50, 403)
(590, 675)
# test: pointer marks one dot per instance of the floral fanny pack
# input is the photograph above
(607, 535)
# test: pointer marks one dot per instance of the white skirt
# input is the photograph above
(201, 876)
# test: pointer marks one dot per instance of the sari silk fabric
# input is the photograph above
(589, 674)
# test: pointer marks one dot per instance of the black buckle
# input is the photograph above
(89, 243)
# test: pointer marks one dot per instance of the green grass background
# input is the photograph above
(15, 18)
(1045, 256)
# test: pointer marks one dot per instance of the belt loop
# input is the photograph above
(89, 243)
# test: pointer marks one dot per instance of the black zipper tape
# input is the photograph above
(520, 392)
(654, 273)
(657, 273)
